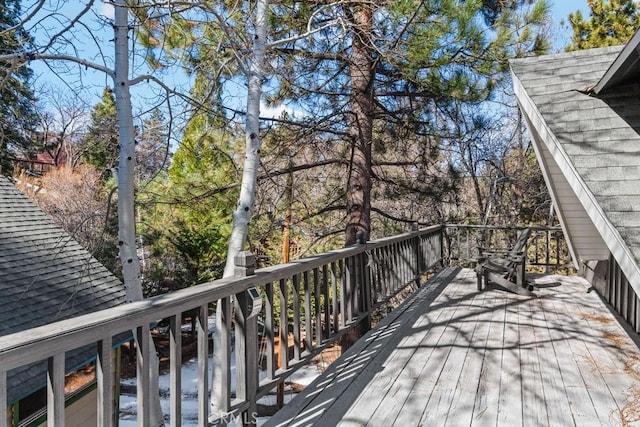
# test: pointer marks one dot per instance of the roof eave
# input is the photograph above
(626, 64)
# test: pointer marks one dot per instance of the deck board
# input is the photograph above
(458, 342)
(451, 355)
(461, 410)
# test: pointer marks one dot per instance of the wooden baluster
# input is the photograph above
(296, 317)
(283, 356)
(269, 326)
(221, 396)
(337, 299)
(284, 324)
(317, 292)
(308, 333)
(55, 391)
(203, 364)
(4, 415)
(345, 295)
(104, 380)
(327, 301)
(143, 335)
(175, 373)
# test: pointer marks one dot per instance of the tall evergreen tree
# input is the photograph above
(351, 67)
(400, 67)
(186, 218)
(17, 114)
(610, 23)
(101, 141)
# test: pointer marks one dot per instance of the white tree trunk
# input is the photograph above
(244, 208)
(126, 165)
(126, 198)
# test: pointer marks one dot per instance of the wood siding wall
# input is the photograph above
(81, 413)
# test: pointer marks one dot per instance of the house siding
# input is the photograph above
(82, 413)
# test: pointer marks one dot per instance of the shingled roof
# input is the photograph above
(588, 147)
(45, 276)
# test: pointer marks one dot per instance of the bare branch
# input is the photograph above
(32, 56)
(33, 13)
(70, 25)
(339, 21)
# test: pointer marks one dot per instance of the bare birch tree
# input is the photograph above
(244, 208)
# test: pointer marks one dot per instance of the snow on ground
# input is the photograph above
(128, 403)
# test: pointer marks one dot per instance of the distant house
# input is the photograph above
(45, 276)
(582, 110)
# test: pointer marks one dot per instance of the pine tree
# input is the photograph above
(152, 151)
(17, 114)
(186, 219)
(610, 23)
(354, 66)
(101, 141)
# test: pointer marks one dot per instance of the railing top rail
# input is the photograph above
(36, 344)
(506, 227)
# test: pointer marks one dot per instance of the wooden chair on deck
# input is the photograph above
(506, 267)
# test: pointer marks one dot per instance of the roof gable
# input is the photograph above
(593, 141)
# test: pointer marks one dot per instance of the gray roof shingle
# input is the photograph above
(45, 276)
(600, 134)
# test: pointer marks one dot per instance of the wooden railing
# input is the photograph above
(620, 294)
(546, 246)
(323, 296)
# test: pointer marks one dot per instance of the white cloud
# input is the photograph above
(106, 9)
(275, 111)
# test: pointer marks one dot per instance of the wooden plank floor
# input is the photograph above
(453, 356)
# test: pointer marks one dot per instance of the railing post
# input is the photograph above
(417, 254)
(248, 305)
(104, 379)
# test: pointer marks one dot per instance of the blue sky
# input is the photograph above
(560, 10)
(559, 38)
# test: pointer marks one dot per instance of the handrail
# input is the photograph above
(326, 294)
(118, 319)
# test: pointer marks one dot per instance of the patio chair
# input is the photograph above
(505, 267)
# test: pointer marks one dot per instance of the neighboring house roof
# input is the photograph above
(45, 276)
(588, 147)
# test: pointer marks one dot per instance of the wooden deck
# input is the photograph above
(453, 356)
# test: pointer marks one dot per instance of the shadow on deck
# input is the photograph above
(450, 355)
